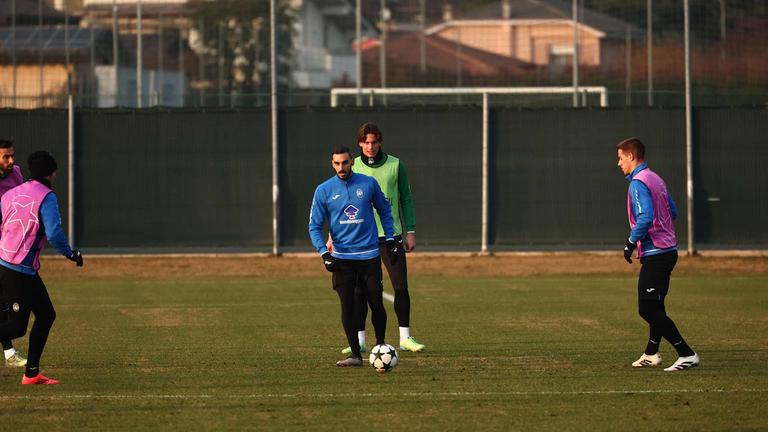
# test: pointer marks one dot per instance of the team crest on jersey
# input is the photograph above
(351, 212)
(359, 193)
(16, 307)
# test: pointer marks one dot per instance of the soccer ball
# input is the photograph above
(383, 358)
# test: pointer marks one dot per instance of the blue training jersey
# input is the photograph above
(348, 206)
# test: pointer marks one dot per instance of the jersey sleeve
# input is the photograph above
(317, 216)
(406, 198)
(49, 213)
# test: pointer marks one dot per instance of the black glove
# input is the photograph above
(77, 257)
(393, 250)
(329, 261)
(628, 249)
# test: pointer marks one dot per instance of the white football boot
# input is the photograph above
(646, 360)
(683, 363)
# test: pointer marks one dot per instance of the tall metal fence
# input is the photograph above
(198, 53)
(194, 180)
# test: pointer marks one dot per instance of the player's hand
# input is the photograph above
(329, 262)
(629, 247)
(76, 257)
(329, 244)
(410, 242)
(393, 249)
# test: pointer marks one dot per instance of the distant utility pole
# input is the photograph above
(66, 47)
(649, 35)
(422, 36)
(139, 89)
(575, 57)
(40, 50)
(160, 59)
(115, 52)
(13, 47)
(359, 51)
(383, 16)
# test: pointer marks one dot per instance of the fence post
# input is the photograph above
(273, 109)
(688, 138)
(71, 170)
(484, 205)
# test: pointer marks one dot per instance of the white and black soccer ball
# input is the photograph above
(383, 358)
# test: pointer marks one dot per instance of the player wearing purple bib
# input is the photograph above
(651, 214)
(30, 214)
(10, 177)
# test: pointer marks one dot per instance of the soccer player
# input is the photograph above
(346, 201)
(651, 213)
(392, 176)
(30, 213)
(10, 177)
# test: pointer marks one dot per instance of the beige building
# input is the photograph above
(537, 41)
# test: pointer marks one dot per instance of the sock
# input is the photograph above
(9, 353)
(652, 347)
(361, 337)
(31, 371)
(405, 333)
(683, 350)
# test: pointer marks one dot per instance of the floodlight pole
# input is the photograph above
(688, 138)
(273, 111)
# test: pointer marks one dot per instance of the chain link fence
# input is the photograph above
(201, 53)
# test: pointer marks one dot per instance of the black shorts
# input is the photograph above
(22, 294)
(362, 273)
(655, 272)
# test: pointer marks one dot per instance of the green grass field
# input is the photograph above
(531, 353)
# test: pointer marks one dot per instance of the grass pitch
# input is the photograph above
(504, 353)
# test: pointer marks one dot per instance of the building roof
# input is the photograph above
(49, 38)
(552, 9)
(402, 48)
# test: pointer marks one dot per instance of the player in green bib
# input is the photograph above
(392, 177)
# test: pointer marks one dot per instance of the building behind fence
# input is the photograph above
(203, 53)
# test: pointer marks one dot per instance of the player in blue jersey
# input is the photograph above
(346, 201)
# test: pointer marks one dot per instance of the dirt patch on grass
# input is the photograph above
(192, 267)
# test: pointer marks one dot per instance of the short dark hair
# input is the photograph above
(369, 128)
(6, 142)
(633, 145)
(341, 150)
(41, 164)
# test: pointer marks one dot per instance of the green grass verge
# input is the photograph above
(539, 353)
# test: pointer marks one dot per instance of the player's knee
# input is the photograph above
(47, 318)
(650, 313)
(15, 329)
(400, 288)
